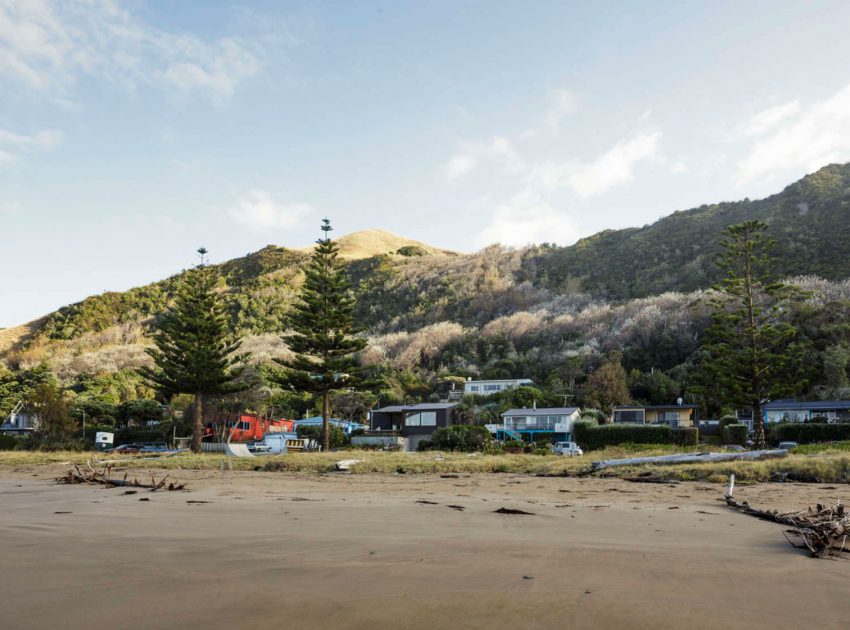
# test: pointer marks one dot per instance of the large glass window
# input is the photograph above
(631, 416)
(421, 419)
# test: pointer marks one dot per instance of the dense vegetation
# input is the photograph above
(631, 302)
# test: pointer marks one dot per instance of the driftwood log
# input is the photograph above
(688, 458)
(823, 530)
(91, 475)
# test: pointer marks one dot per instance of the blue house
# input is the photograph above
(316, 421)
(556, 423)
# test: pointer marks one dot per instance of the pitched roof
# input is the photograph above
(542, 411)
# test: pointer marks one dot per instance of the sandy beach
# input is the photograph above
(271, 550)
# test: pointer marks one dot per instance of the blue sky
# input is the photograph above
(133, 132)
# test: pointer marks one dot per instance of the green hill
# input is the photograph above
(810, 221)
(404, 287)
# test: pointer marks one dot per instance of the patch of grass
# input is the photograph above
(828, 448)
(822, 467)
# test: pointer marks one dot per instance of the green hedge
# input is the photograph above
(725, 421)
(336, 439)
(811, 433)
(591, 437)
(9, 442)
(686, 436)
(461, 437)
(735, 434)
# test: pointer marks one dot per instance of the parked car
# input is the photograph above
(259, 447)
(570, 449)
(154, 447)
(128, 448)
(788, 445)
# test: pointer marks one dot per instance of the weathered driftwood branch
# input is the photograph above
(92, 475)
(688, 458)
(822, 530)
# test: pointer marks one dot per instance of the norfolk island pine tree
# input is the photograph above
(322, 332)
(194, 349)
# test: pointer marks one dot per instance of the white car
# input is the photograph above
(570, 449)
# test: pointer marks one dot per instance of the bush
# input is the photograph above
(35, 442)
(810, 433)
(735, 434)
(465, 438)
(594, 416)
(514, 446)
(581, 431)
(590, 438)
(686, 436)
(9, 442)
(425, 445)
(725, 421)
(411, 250)
(337, 437)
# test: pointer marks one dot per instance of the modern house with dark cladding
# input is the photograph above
(802, 411)
(414, 422)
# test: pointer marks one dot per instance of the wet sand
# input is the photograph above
(270, 550)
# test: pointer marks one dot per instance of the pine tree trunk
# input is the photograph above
(326, 433)
(758, 425)
(198, 428)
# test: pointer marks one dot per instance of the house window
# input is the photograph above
(492, 388)
(245, 426)
(631, 416)
(473, 388)
(421, 419)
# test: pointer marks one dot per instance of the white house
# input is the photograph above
(486, 388)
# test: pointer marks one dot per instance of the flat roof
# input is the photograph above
(811, 404)
(673, 406)
(417, 407)
(541, 411)
(499, 380)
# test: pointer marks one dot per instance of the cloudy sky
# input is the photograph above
(132, 132)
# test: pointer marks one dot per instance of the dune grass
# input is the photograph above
(824, 466)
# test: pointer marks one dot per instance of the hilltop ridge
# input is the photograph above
(404, 285)
(377, 242)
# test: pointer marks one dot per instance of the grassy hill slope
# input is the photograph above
(404, 286)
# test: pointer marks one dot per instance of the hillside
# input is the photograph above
(494, 309)
(810, 221)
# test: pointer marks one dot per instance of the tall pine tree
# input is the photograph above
(322, 331)
(750, 349)
(194, 349)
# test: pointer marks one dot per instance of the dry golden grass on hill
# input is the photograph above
(368, 243)
(10, 337)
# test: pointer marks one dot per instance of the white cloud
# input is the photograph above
(527, 218)
(257, 210)
(497, 150)
(678, 167)
(613, 168)
(768, 119)
(561, 103)
(46, 46)
(13, 144)
(459, 165)
(795, 138)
